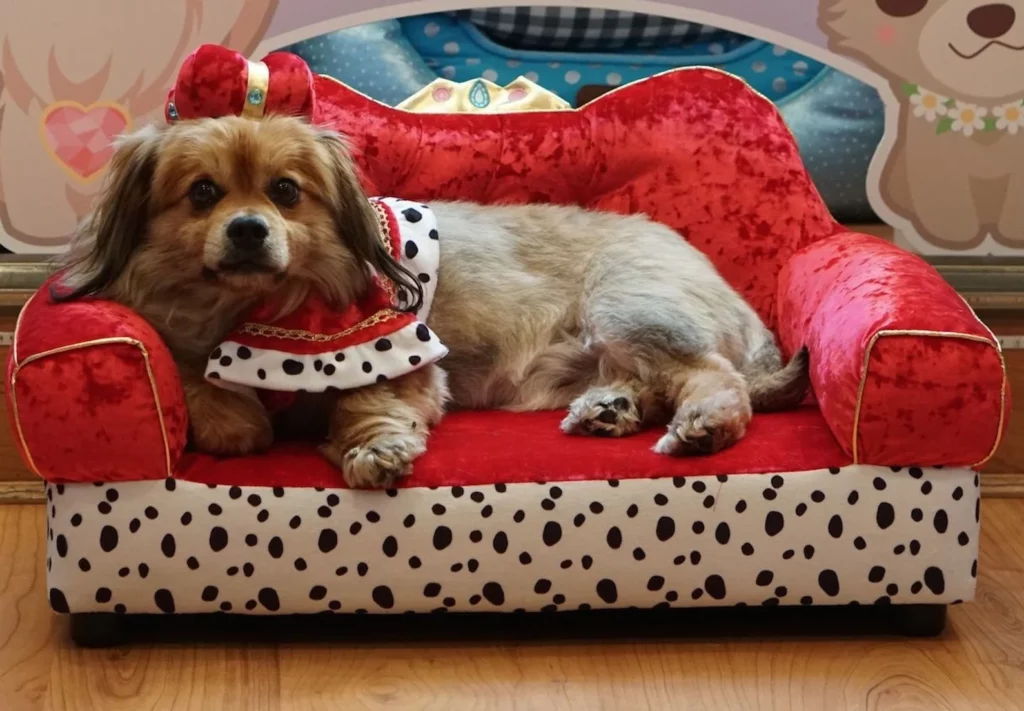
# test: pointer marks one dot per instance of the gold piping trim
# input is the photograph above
(257, 84)
(17, 328)
(297, 334)
(930, 334)
(79, 346)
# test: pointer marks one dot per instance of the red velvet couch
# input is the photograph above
(868, 494)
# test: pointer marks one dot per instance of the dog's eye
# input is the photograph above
(284, 192)
(901, 8)
(204, 193)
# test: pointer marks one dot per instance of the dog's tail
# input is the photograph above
(773, 386)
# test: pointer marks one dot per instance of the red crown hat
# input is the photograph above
(313, 348)
(215, 81)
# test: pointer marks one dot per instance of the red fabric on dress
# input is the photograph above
(927, 399)
(470, 448)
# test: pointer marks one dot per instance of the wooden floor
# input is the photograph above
(978, 663)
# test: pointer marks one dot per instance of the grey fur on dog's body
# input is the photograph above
(538, 303)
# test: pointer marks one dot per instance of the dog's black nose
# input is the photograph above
(248, 232)
(991, 21)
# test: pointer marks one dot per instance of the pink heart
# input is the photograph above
(81, 137)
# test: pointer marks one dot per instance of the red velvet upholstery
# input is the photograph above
(94, 392)
(932, 390)
(695, 149)
(212, 82)
(470, 448)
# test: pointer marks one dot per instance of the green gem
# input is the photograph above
(255, 97)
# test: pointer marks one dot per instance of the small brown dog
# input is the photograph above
(541, 307)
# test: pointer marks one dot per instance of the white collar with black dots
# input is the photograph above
(312, 350)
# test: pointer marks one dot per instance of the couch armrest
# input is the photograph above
(93, 393)
(903, 370)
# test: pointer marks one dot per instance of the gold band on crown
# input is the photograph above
(256, 90)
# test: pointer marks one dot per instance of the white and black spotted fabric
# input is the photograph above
(856, 535)
(241, 365)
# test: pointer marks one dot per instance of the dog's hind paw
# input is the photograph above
(603, 412)
(706, 426)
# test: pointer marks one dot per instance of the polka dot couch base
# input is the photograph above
(857, 534)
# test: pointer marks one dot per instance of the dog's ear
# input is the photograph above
(105, 240)
(357, 224)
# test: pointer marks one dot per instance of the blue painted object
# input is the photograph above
(374, 59)
(838, 123)
(457, 50)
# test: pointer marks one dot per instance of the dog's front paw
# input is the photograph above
(379, 462)
(603, 412)
(707, 426)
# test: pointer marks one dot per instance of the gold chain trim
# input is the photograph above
(294, 334)
(385, 238)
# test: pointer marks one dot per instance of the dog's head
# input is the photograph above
(966, 49)
(249, 207)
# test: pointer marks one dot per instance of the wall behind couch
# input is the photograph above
(949, 174)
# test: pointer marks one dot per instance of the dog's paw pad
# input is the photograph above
(706, 427)
(377, 464)
(602, 416)
(681, 441)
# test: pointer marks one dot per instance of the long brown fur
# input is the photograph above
(146, 246)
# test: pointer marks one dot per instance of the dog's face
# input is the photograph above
(251, 207)
(967, 49)
(247, 203)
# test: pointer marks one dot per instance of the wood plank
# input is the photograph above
(976, 664)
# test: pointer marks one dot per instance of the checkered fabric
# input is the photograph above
(584, 29)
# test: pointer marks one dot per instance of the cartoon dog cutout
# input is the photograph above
(956, 169)
(73, 77)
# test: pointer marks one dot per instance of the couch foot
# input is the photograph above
(98, 629)
(919, 620)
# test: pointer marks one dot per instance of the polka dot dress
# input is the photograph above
(314, 350)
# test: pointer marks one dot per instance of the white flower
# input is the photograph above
(967, 118)
(928, 105)
(1010, 117)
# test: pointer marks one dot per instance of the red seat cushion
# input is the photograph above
(502, 447)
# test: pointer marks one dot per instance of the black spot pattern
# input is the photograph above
(58, 602)
(108, 539)
(624, 520)
(607, 591)
(828, 581)
(835, 526)
(494, 593)
(885, 515)
(269, 599)
(164, 600)
(935, 580)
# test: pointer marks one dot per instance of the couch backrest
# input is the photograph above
(695, 149)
